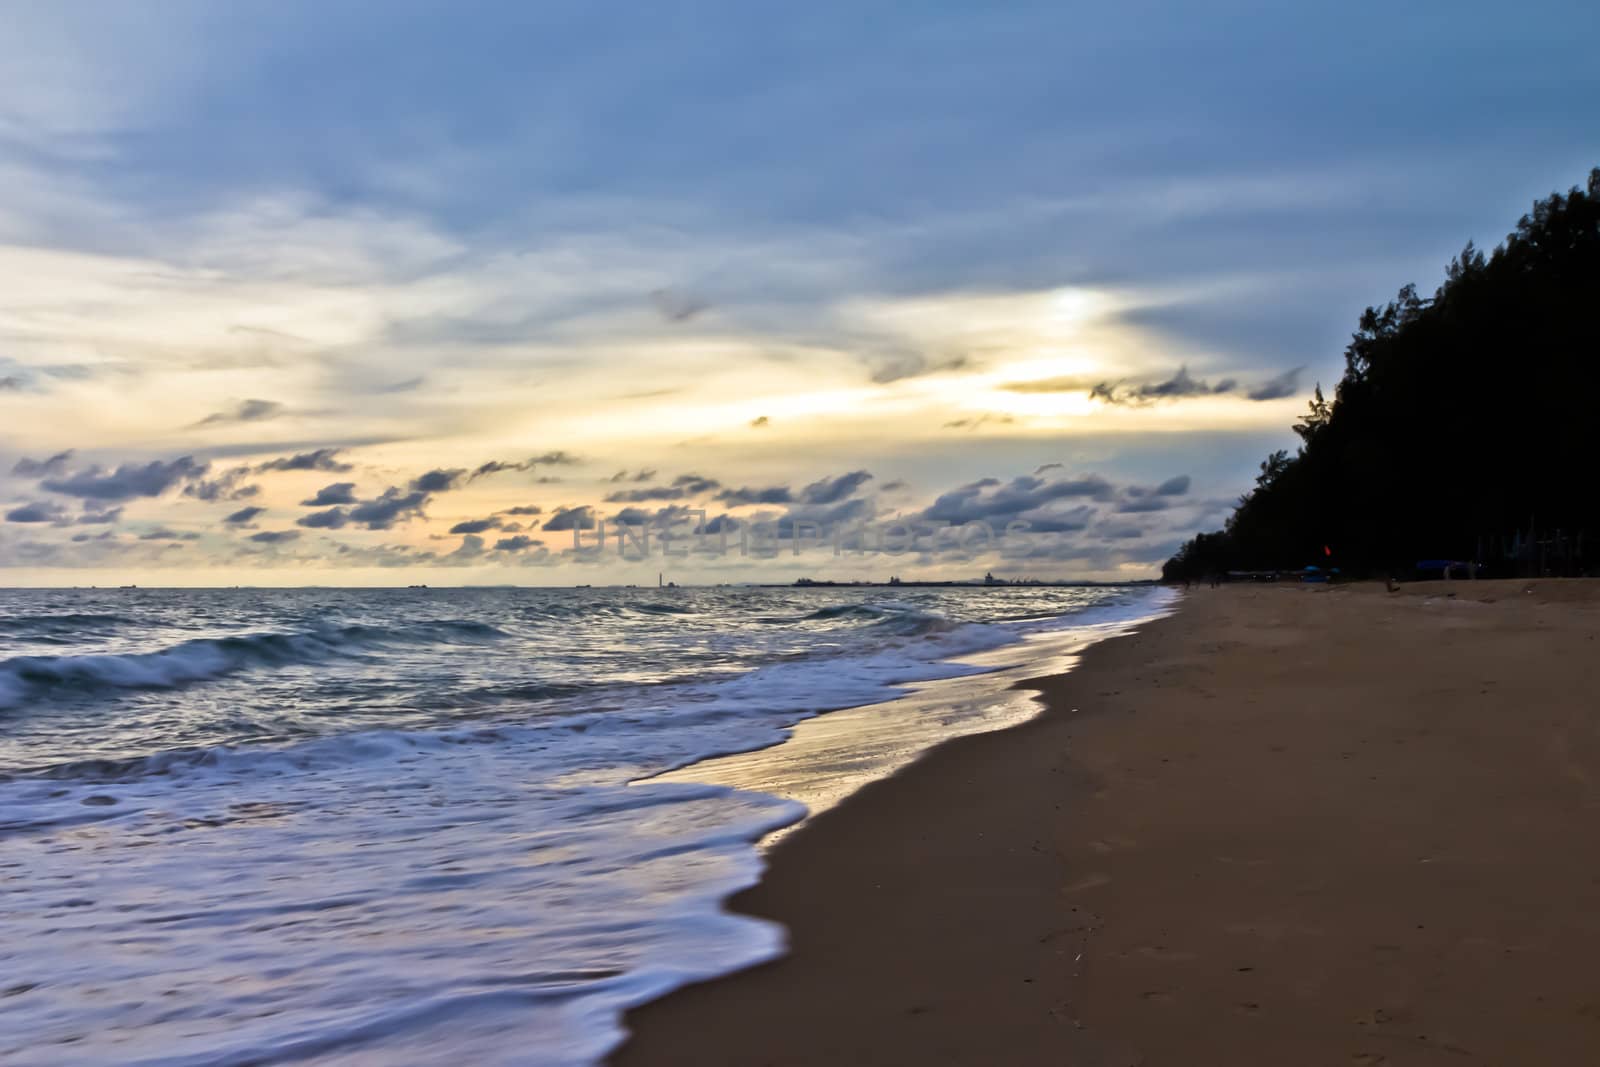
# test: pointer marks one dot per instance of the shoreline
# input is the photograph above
(1285, 825)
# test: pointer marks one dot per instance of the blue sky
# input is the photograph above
(912, 238)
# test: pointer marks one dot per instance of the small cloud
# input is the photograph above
(164, 534)
(40, 511)
(274, 537)
(981, 420)
(243, 516)
(760, 422)
(475, 526)
(1285, 384)
(438, 481)
(321, 459)
(1174, 486)
(833, 490)
(247, 411)
(329, 495)
(580, 518)
(332, 519)
(40, 468)
(524, 509)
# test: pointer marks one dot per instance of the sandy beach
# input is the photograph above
(1287, 825)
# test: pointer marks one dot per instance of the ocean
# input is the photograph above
(423, 825)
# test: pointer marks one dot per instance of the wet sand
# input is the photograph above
(1286, 826)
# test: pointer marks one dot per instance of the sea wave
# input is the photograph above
(24, 678)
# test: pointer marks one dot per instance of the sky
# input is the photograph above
(404, 293)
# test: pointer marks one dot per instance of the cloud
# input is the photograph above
(519, 543)
(247, 411)
(548, 459)
(1180, 386)
(1022, 499)
(438, 481)
(392, 507)
(243, 516)
(127, 481)
(41, 511)
(97, 515)
(642, 475)
(685, 485)
(775, 494)
(760, 421)
(274, 537)
(1143, 504)
(579, 518)
(40, 468)
(332, 519)
(476, 526)
(981, 420)
(831, 490)
(223, 487)
(164, 534)
(1174, 486)
(321, 459)
(1277, 388)
(328, 495)
(524, 509)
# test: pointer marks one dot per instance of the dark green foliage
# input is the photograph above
(1463, 427)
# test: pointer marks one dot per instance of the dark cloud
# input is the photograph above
(392, 507)
(1285, 384)
(274, 537)
(164, 534)
(548, 459)
(643, 475)
(1174, 486)
(12, 383)
(581, 518)
(40, 468)
(519, 543)
(981, 420)
(524, 509)
(127, 481)
(1143, 504)
(831, 490)
(329, 495)
(439, 481)
(1183, 385)
(760, 422)
(332, 519)
(225, 486)
(243, 515)
(247, 411)
(321, 459)
(775, 494)
(39, 511)
(685, 485)
(476, 526)
(1021, 499)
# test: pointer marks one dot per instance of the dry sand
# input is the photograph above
(1287, 826)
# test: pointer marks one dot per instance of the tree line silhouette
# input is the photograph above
(1463, 427)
